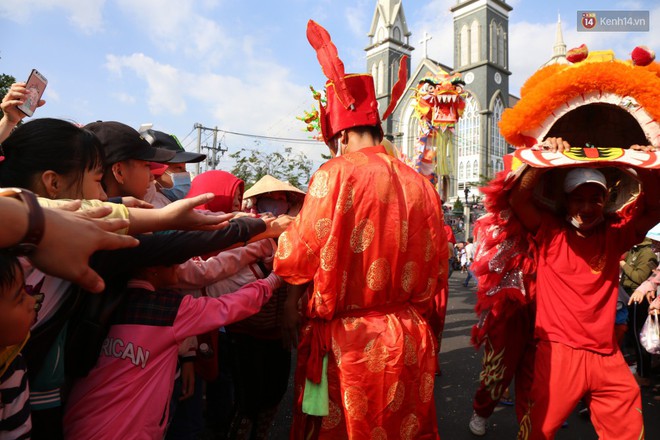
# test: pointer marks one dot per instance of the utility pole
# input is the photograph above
(199, 143)
(213, 150)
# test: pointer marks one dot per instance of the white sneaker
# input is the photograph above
(478, 425)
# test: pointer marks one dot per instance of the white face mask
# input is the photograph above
(584, 226)
(151, 192)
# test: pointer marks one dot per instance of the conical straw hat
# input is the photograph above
(270, 184)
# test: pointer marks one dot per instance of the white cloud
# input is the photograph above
(177, 26)
(438, 21)
(124, 98)
(245, 104)
(358, 17)
(85, 15)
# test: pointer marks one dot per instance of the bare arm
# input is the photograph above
(521, 200)
(291, 317)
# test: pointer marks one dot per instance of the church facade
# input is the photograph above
(481, 54)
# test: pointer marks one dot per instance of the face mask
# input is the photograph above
(584, 226)
(180, 186)
(151, 192)
(275, 207)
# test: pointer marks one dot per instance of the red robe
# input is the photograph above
(370, 236)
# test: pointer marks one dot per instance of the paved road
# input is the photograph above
(461, 365)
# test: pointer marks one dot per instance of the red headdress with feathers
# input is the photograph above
(351, 99)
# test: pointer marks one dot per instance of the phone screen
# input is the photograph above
(35, 85)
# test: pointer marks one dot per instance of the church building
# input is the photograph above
(481, 55)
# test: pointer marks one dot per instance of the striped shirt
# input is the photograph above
(15, 421)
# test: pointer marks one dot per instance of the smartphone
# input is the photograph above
(35, 85)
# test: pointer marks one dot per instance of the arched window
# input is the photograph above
(467, 132)
(500, 46)
(465, 45)
(413, 134)
(381, 34)
(475, 170)
(493, 42)
(374, 74)
(497, 142)
(461, 171)
(468, 170)
(396, 33)
(475, 35)
(381, 77)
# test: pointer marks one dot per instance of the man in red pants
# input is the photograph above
(576, 291)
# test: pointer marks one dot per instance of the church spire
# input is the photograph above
(559, 49)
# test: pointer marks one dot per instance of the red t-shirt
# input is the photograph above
(577, 283)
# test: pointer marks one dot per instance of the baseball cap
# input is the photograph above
(580, 176)
(170, 142)
(122, 142)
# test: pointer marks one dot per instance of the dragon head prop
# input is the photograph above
(598, 100)
(440, 100)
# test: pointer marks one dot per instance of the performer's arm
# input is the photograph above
(521, 200)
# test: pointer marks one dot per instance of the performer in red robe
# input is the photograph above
(370, 240)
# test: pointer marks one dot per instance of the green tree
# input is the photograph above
(5, 83)
(251, 164)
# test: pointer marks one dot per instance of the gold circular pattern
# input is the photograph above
(426, 387)
(395, 396)
(403, 236)
(284, 246)
(336, 351)
(429, 290)
(409, 427)
(356, 402)
(376, 354)
(409, 276)
(378, 433)
(383, 184)
(358, 158)
(333, 418)
(378, 274)
(322, 228)
(319, 187)
(362, 235)
(351, 323)
(409, 350)
(429, 246)
(329, 254)
(345, 199)
(342, 289)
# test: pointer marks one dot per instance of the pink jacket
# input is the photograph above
(127, 393)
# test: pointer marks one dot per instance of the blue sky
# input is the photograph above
(243, 66)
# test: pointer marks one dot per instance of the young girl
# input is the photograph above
(126, 394)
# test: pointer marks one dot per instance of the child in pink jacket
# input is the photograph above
(126, 394)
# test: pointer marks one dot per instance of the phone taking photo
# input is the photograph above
(35, 85)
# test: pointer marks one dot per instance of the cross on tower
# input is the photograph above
(424, 41)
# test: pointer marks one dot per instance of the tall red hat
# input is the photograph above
(351, 99)
(337, 116)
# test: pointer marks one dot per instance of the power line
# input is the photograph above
(259, 136)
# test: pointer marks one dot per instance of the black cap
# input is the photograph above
(170, 142)
(122, 142)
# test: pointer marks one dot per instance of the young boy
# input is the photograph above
(17, 314)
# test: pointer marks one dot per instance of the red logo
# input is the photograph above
(589, 20)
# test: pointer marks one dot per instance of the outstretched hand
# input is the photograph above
(70, 238)
(182, 215)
